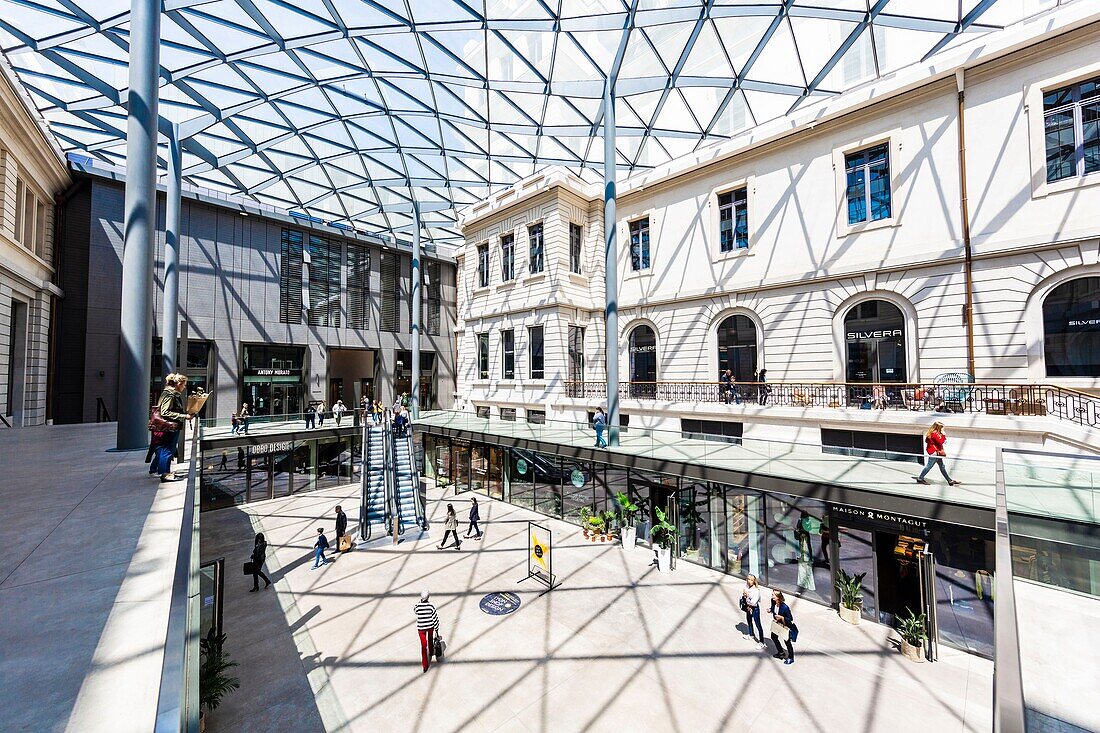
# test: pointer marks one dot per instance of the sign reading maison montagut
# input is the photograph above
(894, 521)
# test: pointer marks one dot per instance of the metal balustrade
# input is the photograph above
(1050, 400)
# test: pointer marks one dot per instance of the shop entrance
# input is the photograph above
(651, 495)
(350, 375)
(875, 337)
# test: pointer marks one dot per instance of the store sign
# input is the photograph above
(265, 448)
(521, 466)
(887, 520)
(269, 372)
(642, 349)
(499, 604)
(1088, 323)
(577, 477)
(864, 335)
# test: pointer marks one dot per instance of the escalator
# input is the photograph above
(375, 519)
(406, 481)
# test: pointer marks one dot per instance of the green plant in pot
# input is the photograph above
(585, 516)
(629, 511)
(609, 525)
(595, 527)
(914, 630)
(663, 536)
(215, 682)
(850, 588)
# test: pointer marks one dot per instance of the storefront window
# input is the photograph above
(460, 465)
(965, 561)
(737, 347)
(224, 480)
(479, 468)
(743, 527)
(578, 489)
(643, 362)
(857, 556)
(496, 472)
(521, 478)
(874, 332)
(548, 475)
(1071, 329)
(798, 547)
(272, 380)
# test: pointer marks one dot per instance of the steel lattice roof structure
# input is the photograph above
(352, 110)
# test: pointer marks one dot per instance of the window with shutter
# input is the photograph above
(324, 282)
(358, 286)
(290, 277)
(389, 287)
(432, 300)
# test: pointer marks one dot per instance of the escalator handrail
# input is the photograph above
(364, 473)
(414, 474)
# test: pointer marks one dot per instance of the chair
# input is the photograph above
(954, 389)
(878, 398)
(799, 399)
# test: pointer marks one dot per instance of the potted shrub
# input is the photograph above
(913, 630)
(595, 527)
(850, 588)
(585, 515)
(609, 526)
(215, 681)
(629, 511)
(663, 536)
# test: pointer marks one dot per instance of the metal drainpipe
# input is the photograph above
(964, 211)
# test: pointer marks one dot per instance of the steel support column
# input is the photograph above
(414, 398)
(140, 212)
(611, 276)
(169, 319)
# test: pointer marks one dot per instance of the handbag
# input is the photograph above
(743, 604)
(158, 424)
(343, 543)
(438, 647)
(249, 568)
(780, 631)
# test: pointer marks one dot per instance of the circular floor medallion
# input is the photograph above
(499, 604)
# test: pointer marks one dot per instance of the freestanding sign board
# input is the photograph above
(539, 552)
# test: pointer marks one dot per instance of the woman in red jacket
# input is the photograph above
(934, 441)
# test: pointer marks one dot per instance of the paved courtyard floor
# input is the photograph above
(616, 646)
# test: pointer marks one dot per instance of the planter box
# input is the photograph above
(851, 615)
(913, 653)
(664, 560)
(630, 537)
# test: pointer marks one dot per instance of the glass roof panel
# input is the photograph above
(332, 93)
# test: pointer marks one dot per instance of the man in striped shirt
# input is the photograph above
(427, 625)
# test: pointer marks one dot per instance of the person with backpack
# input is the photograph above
(427, 626)
(319, 548)
(599, 422)
(934, 440)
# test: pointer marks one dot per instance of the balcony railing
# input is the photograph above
(992, 399)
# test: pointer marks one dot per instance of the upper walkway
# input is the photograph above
(88, 544)
(806, 470)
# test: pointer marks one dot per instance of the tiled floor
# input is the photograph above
(616, 646)
(87, 547)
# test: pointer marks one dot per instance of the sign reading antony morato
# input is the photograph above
(499, 604)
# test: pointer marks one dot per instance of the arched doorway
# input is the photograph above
(643, 362)
(874, 334)
(737, 347)
(1071, 329)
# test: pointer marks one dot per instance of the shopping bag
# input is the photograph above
(438, 647)
(780, 631)
(249, 568)
(343, 544)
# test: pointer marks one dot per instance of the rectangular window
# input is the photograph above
(483, 411)
(508, 413)
(1071, 125)
(483, 265)
(324, 282)
(483, 356)
(534, 342)
(389, 291)
(358, 262)
(727, 432)
(30, 206)
(639, 245)
(538, 417)
(733, 220)
(576, 354)
(290, 277)
(432, 302)
(534, 236)
(575, 234)
(508, 354)
(20, 187)
(865, 444)
(868, 181)
(508, 257)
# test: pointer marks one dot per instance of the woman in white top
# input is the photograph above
(750, 604)
(338, 411)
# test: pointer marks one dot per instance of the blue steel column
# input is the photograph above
(137, 258)
(414, 398)
(611, 276)
(170, 316)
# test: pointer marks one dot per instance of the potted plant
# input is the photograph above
(609, 526)
(595, 527)
(585, 515)
(850, 588)
(663, 536)
(629, 511)
(913, 630)
(215, 681)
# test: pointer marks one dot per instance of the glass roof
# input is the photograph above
(351, 110)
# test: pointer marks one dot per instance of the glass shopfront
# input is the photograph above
(272, 380)
(239, 474)
(1071, 329)
(199, 371)
(791, 543)
(402, 377)
(874, 333)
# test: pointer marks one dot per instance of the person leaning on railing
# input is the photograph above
(164, 425)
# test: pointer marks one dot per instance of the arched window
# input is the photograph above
(643, 362)
(737, 347)
(1071, 329)
(874, 334)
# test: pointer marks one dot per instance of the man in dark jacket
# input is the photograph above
(319, 548)
(341, 525)
(474, 517)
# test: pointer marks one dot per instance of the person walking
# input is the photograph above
(242, 419)
(396, 405)
(259, 556)
(341, 526)
(750, 604)
(400, 422)
(319, 548)
(765, 390)
(475, 515)
(934, 440)
(338, 411)
(783, 628)
(321, 414)
(311, 416)
(724, 386)
(224, 465)
(377, 410)
(599, 422)
(165, 426)
(427, 626)
(735, 392)
(450, 526)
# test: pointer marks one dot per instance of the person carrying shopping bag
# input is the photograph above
(427, 626)
(783, 628)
